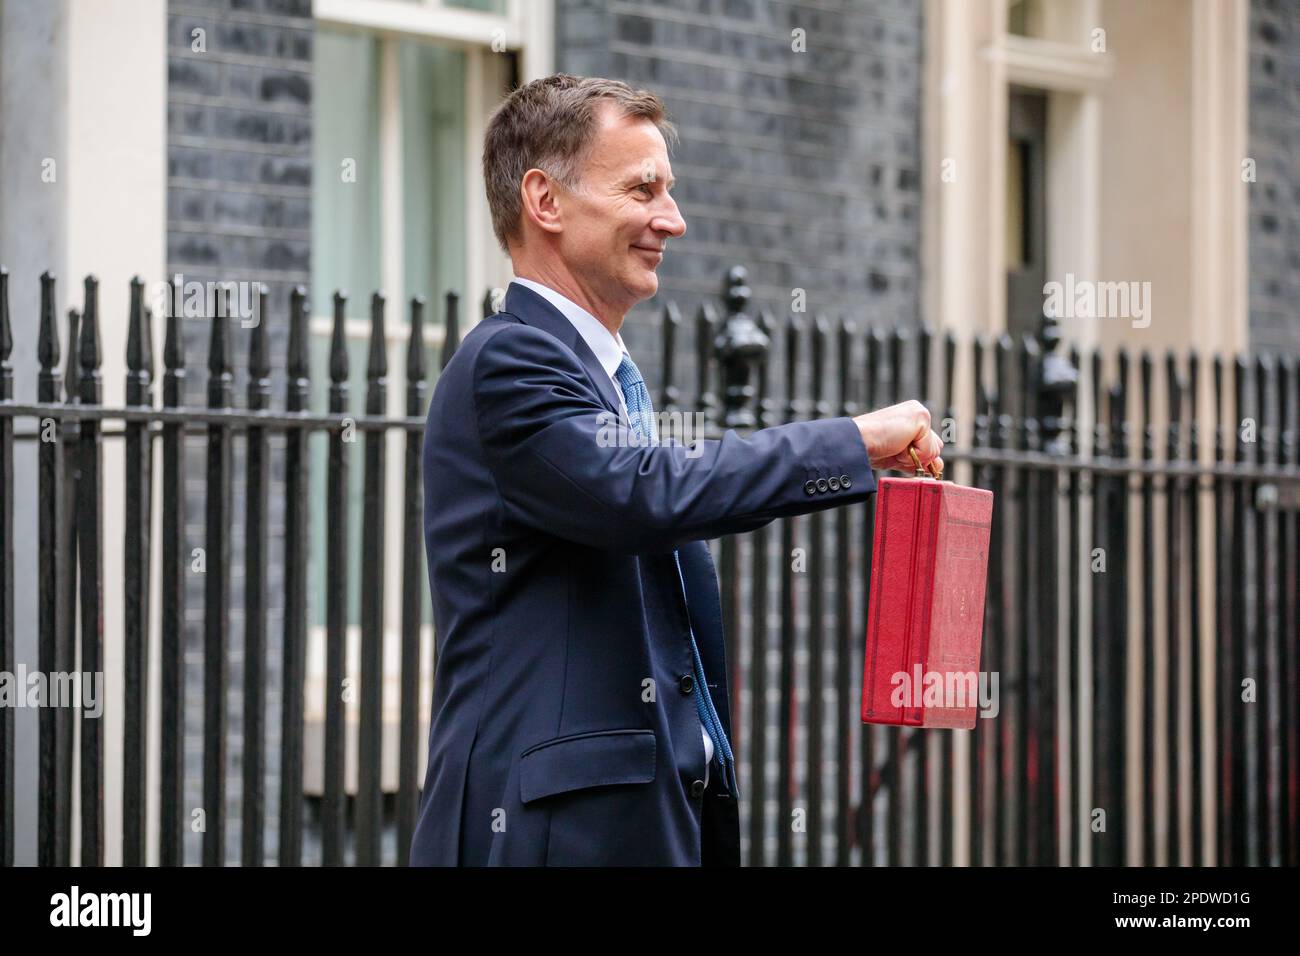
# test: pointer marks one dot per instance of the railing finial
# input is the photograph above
(259, 361)
(220, 377)
(1056, 385)
(298, 364)
(6, 335)
(739, 346)
(451, 327)
(339, 340)
(139, 348)
(377, 363)
(88, 350)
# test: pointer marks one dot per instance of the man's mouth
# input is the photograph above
(653, 250)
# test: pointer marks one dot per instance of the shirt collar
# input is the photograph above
(608, 349)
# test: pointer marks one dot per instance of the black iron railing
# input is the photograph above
(1076, 493)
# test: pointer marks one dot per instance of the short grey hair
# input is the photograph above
(548, 124)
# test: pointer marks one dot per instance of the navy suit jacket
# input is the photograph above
(562, 732)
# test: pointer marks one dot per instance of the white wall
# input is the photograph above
(83, 84)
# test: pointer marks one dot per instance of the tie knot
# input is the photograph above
(627, 373)
(640, 409)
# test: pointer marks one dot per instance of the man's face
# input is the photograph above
(617, 224)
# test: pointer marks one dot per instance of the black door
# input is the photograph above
(1026, 210)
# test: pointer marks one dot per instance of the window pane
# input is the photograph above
(347, 242)
(345, 188)
(486, 6)
(1025, 18)
(433, 188)
(433, 171)
(345, 255)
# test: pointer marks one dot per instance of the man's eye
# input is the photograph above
(648, 191)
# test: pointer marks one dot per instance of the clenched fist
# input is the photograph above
(889, 432)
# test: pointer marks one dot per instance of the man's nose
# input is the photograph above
(670, 220)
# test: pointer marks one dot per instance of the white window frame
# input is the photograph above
(527, 29)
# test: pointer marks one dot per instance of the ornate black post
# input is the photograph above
(740, 346)
(1055, 388)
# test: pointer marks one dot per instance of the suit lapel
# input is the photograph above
(531, 309)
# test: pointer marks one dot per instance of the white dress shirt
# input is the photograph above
(609, 351)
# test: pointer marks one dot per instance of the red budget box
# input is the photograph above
(929, 566)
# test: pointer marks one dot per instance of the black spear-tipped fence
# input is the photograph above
(1141, 612)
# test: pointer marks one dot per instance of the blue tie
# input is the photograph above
(640, 412)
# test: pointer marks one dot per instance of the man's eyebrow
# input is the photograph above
(637, 178)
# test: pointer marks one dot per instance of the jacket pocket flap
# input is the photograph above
(592, 759)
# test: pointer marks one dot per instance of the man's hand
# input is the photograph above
(889, 432)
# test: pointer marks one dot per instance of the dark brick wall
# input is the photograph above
(238, 209)
(802, 166)
(1275, 196)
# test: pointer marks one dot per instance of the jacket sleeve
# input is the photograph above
(553, 452)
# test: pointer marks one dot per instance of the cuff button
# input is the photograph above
(810, 486)
(834, 483)
(845, 482)
(822, 485)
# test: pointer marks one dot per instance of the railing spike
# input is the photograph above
(72, 374)
(174, 343)
(451, 327)
(6, 334)
(47, 342)
(1219, 447)
(949, 372)
(415, 365)
(793, 332)
(259, 361)
(88, 350)
(299, 362)
(1193, 386)
(377, 363)
(847, 333)
(139, 348)
(670, 327)
(339, 365)
(820, 343)
(220, 377)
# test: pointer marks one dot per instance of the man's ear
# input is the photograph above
(541, 201)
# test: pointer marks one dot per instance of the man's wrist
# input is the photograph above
(863, 424)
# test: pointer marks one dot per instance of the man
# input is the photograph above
(581, 713)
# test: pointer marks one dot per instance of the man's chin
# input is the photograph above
(648, 286)
(638, 285)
